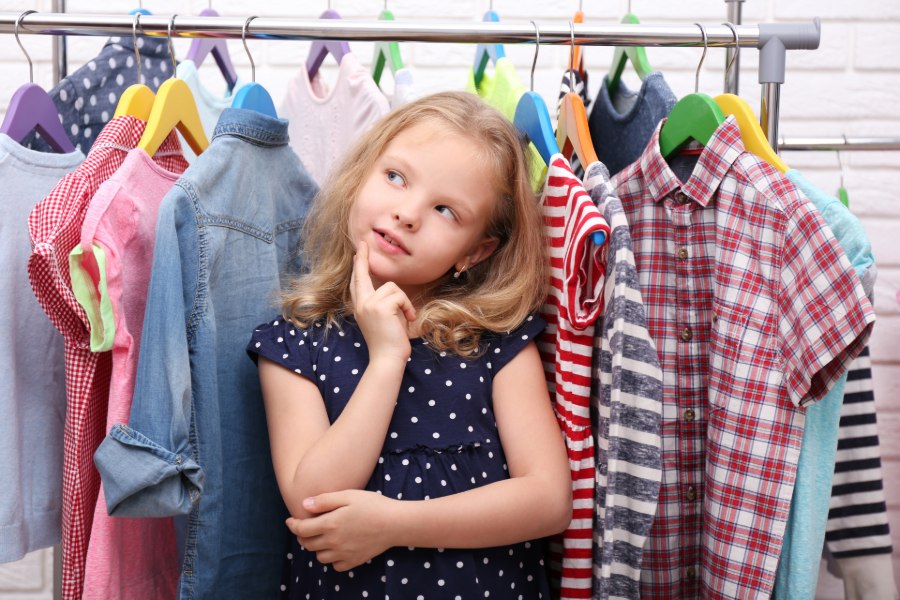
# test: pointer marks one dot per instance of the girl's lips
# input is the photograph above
(397, 247)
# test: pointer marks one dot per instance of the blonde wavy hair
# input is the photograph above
(495, 295)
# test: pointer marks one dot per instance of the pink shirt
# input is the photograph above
(127, 558)
(325, 123)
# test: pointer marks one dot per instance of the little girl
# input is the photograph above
(412, 435)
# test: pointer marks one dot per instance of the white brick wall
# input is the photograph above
(851, 86)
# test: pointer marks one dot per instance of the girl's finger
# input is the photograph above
(361, 278)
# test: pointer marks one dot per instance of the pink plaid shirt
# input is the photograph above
(55, 229)
(755, 311)
(567, 344)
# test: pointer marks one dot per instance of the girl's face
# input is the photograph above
(423, 209)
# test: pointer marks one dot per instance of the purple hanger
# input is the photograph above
(32, 108)
(201, 47)
(321, 48)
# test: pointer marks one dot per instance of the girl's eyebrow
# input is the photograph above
(404, 164)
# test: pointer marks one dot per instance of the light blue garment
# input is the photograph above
(798, 566)
(32, 374)
(197, 441)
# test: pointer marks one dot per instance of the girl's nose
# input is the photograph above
(406, 217)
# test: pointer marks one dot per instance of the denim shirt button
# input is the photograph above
(178, 460)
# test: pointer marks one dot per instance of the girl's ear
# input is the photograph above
(481, 252)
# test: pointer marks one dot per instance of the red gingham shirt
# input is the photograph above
(567, 344)
(755, 311)
(55, 229)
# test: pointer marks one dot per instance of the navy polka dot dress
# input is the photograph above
(442, 440)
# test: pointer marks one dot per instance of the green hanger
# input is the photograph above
(636, 54)
(694, 117)
(842, 194)
(386, 52)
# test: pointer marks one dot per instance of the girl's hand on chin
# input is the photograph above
(384, 315)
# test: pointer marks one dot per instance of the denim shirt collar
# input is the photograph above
(253, 126)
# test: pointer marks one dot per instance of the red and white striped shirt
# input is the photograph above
(566, 346)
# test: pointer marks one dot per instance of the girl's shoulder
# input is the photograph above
(291, 345)
(502, 347)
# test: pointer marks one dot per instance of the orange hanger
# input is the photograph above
(576, 62)
(572, 132)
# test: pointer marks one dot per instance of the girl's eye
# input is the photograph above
(395, 177)
(446, 211)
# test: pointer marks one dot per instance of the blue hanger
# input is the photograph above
(487, 52)
(253, 96)
(31, 108)
(141, 10)
(321, 48)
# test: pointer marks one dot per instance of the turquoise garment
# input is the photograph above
(798, 567)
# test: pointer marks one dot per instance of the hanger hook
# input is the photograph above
(19, 42)
(137, 54)
(537, 47)
(571, 55)
(579, 5)
(629, 7)
(737, 48)
(702, 58)
(171, 47)
(247, 50)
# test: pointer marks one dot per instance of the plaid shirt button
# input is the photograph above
(689, 415)
(691, 573)
(683, 253)
(687, 334)
(681, 198)
(691, 493)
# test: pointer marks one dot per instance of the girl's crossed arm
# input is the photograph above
(311, 455)
(353, 525)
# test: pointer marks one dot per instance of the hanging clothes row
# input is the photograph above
(704, 313)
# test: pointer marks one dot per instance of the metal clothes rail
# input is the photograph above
(772, 39)
(840, 144)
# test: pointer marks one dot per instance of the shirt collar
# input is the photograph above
(715, 161)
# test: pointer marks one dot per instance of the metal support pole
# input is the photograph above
(773, 41)
(732, 77)
(769, 111)
(60, 59)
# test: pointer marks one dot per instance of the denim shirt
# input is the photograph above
(197, 442)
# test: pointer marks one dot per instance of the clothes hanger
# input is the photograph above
(253, 96)
(321, 48)
(140, 9)
(842, 194)
(576, 62)
(694, 117)
(174, 107)
(636, 55)
(532, 117)
(201, 47)
(572, 133)
(485, 53)
(386, 53)
(31, 108)
(752, 135)
(137, 100)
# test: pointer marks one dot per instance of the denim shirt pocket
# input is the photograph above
(745, 362)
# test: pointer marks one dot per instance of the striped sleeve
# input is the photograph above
(857, 515)
(626, 403)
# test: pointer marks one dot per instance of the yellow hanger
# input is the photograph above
(137, 100)
(752, 135)
(751, 132)
(572, 133)
(174, 107)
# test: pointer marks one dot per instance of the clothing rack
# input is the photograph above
(840, 144)
(772, 39)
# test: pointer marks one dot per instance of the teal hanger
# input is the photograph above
(386, 53)
(487, 52)
(253, 96)
(694, 117)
